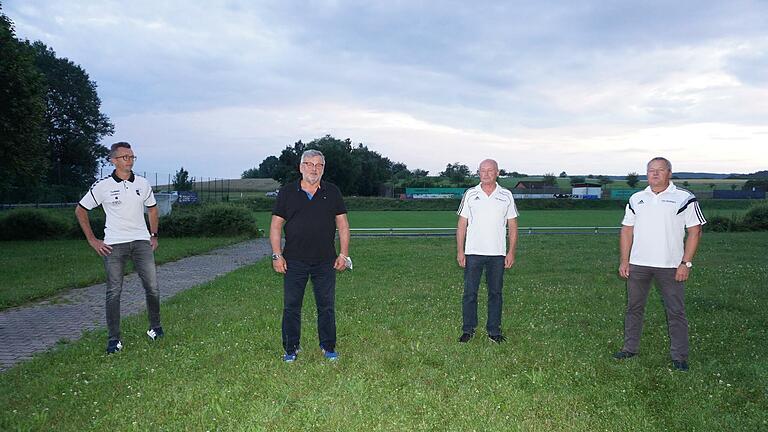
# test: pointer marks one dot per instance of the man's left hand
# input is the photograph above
(340, 264)
(509, 261)
(681, 275)
(153, 242)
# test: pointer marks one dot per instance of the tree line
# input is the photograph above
(50, 123)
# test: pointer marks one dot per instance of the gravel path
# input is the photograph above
(28, 330)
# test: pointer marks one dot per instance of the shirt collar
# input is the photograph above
(298, 185)
(118, 179)
(670, 188)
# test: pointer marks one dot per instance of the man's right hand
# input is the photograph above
(279, 265)
(100, 247)
(462, 259)
(624, 270)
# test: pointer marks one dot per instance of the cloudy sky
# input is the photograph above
(584, 87)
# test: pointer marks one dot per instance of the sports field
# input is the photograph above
(400, 366)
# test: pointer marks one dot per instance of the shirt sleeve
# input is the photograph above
(463, 210)
(281, 203)
(629, 215)
(149, 200)
(512, 208)
(89, 201)
(693, 215)
(341, 208)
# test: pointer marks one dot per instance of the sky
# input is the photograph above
(586, 87)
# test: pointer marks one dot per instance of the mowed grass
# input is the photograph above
(37, 269)
(448, 219)
(400, 367)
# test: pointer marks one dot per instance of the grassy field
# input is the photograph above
(446, 219)
(400, 367)
(37, 269)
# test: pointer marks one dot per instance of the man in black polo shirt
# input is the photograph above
(310, 210)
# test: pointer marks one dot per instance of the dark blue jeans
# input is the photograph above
(494, 276)
(140, 252)
(323, 278)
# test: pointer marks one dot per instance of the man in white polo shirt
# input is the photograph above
(487, 217)
(124, 195)
(653, 245)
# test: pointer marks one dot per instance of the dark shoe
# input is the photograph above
(464, 338)
(114, 346)
(682, 366)
(621, 355)
(497, 338)
(155, 333)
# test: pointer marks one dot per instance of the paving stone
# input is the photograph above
(31, 329)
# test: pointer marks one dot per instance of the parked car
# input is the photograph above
(271, 194)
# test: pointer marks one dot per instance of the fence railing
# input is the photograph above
(403, 232)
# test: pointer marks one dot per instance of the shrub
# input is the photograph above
(32, 224)
(719, 224)
(222, 219)
(180, 224)
(756, 218)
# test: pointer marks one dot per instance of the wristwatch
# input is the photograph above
(153, 234)
(275, 257)
(687, 263)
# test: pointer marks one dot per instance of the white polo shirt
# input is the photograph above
(123, 202)
(487, 220)
(659, 222)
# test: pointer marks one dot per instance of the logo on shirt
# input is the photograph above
(137, 192)
(477, 198)
(641, 202)
(669, 201)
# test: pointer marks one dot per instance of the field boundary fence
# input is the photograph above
(445, 232)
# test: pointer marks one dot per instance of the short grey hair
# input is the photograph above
(663, 159)
(312, 153)
(117, 145)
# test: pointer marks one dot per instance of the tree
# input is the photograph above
(632, 179)
(265, 170)
(250, 173)
(604, 180)
(181, 181)
(577, 180)
(549, 179)
(374, 170)
(420, 173)
(73, 120)
(23, 161)
(456, 172)
(563, 174)
(503, 173)
(287, 168)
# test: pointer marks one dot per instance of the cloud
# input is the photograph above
(582, 85)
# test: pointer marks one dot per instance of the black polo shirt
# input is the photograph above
(310, 225)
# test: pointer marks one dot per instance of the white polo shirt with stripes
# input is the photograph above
(487, 217)
(659, 222)
(123, 202)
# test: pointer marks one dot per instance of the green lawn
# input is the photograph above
(37, 269)
(446, 219)
(400, 366)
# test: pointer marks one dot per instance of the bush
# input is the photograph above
(180, 224)
(756, 218)
(222, 219)
(719, 224)
(32, 224)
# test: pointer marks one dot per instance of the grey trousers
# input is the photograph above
(673, 297)
(140, 252)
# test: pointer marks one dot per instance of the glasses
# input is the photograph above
(126, 158)
(311, 165)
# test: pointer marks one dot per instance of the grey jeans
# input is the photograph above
(140, 252)
(673, 297)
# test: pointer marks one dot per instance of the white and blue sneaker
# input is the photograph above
(290, 356)
(155, 333)
(330, 355)
(114, 346)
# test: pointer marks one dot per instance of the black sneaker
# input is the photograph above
(680, 365)
(621, 355)
(155, 333)
(497, 338)
(114, 346)
(465, 337)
